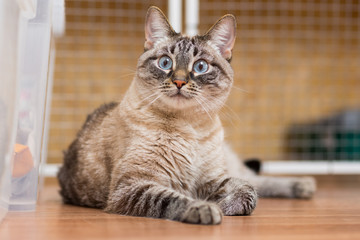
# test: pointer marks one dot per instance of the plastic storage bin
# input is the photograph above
(25, 43)
(9, 15)
(34, 45)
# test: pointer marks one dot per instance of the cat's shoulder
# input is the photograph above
(98, 115)
(101, 111)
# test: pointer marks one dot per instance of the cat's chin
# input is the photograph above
(180, 96)
(179, 101)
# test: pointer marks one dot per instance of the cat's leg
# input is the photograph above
(288, 187)
(233, 195)
(150, 199)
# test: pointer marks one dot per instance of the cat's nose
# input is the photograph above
(179, 83)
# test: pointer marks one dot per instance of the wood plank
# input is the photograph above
(334, 213)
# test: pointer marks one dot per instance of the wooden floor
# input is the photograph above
(334, 213)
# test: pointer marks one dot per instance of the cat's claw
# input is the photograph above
(203, 213)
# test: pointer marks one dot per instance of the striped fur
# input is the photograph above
(160, 151)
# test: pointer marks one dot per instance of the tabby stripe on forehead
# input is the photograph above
(172, 49)
(196, 51)
(177, 47)
(188, 47)
(183, 45)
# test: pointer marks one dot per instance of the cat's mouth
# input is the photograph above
(179, 94)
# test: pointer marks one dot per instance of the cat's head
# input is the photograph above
(177, 72)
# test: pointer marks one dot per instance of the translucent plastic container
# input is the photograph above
(9, 15)
(26, 30)
(34, 50)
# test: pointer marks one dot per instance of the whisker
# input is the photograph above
(226, 115)
(204, 109)
(146, 98)
(206, 105)
(127, 74)
(240, 89)
(130, 69)
(221, 103)
(153, 101)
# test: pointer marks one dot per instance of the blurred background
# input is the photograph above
(296, 93)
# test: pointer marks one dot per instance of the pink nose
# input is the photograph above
(179, 83)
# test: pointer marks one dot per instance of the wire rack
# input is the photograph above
(297, 73)
(298, 62)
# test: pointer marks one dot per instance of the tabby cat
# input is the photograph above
(160, 151)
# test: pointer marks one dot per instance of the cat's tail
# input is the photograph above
(287, 187)
(253, 164)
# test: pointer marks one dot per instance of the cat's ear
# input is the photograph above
(157, 27)
(222, 35)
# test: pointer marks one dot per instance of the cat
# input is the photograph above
(160, 151)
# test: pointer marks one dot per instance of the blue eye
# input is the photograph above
(200, 66)
(165, 62)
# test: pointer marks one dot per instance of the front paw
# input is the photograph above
(240, 202)
(203, 213)
(304, 187)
